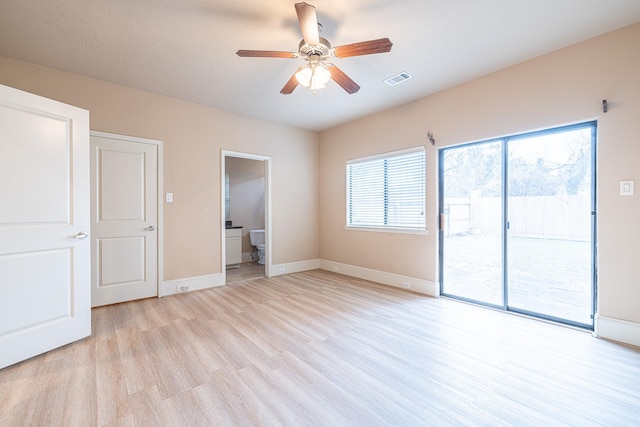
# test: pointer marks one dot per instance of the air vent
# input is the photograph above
(398, 78)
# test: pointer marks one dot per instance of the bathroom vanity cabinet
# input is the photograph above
(233, 240)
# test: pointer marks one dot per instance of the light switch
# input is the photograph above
(169, 198)
(626, 188)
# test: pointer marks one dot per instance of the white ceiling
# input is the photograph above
(186, 48)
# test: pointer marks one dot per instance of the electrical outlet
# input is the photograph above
(182, 288)
(406, 285)
(283, 270)
(335, 268)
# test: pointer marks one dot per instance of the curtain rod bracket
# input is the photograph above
(605, 107)
(430, 136)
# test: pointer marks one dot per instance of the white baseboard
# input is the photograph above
(294, 267)
(170, 287)
(617, 330)
(416, 285)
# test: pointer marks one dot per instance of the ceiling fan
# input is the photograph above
(316, 51)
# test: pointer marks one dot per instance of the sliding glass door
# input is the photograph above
(549, 245)
(472, 250)
(517, 223)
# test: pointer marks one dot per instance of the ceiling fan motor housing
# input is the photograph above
(322, 50)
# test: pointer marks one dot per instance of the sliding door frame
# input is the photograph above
(593, 125)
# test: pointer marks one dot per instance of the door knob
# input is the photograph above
(81, 235)
(150, 228)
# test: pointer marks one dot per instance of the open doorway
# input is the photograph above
(246, 213)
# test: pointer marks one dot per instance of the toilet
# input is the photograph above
(256, 238)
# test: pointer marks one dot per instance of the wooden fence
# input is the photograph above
(550, 217)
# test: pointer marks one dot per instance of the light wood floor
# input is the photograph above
(318, 348)
(245, 271)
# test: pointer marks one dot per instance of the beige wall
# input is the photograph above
(564, 87)
(560, 88)
(193, 137)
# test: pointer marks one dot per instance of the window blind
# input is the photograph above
(387, 191)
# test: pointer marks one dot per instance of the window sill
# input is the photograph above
(422, 231)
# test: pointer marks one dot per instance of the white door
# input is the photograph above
(44, 224)
(124, 218)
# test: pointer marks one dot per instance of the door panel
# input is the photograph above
(549, 239)
(128, 254)
(472, 223)
(52, 302)
(121, 185)
(124, 219)
(36, 154)
(44, 221)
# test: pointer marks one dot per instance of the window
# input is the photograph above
(387, 191)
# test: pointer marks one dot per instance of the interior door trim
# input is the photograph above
(267, 208)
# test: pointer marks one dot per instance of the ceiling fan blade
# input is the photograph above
(363, 48)
(308, 23)
(265, 54)
(343, 80)
(290, 85)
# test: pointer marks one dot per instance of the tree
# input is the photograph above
(473, 168)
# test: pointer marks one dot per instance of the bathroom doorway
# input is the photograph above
(246, 206)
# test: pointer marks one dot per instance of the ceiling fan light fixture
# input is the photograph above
(313, 75)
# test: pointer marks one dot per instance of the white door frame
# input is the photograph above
(267, 208)
(160, 225)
